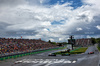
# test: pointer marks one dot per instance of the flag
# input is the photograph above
(21, 36)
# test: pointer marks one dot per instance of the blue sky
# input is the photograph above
(51, 20)
(75, 3)
(57, 22)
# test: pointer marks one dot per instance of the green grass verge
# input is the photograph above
(98, 48)
(76, 51)
(82, 49)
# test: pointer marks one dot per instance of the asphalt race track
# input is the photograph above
(43, 59)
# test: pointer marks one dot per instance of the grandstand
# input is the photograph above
(83, 42)
(10, 45)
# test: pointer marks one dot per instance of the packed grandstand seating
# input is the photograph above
(22, 45)
(83, 42)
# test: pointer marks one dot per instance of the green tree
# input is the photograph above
(98, 41)
(65, 43)
(93, 40)
(49, 41)
(53, 43)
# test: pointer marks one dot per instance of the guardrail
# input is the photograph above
(16, 55)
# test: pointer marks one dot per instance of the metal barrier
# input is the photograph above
(4, 57)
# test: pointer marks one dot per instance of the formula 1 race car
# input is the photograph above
(66, 54)
(90, 52)
(52, 54)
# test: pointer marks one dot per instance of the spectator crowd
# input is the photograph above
(84, 42)
(22, 45)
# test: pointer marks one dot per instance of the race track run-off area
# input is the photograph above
(42, 59)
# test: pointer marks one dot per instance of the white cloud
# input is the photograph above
(61, 39)
(41, 1)
(94, 6)
(51, 39)
(88, 36)
(24, 16)
(98, 27)
(78, 29)
(12, 3)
